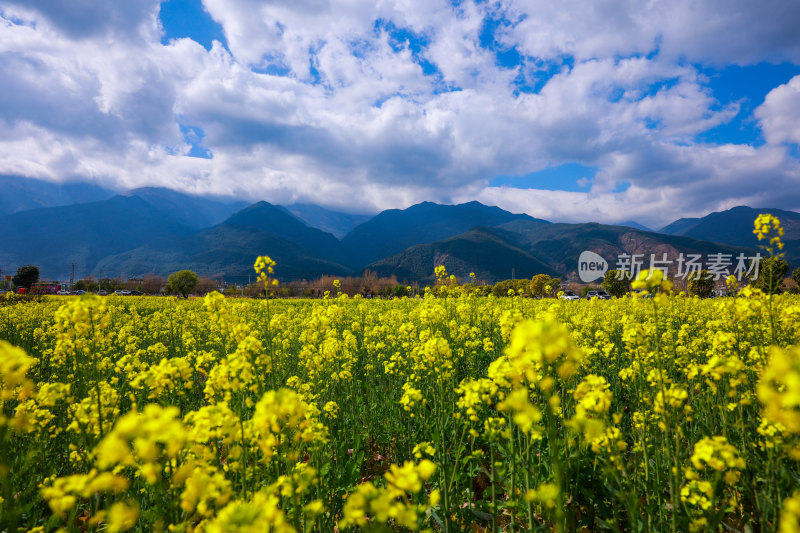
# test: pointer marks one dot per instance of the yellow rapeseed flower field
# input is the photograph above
(451, 412)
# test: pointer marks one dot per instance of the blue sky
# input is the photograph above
(583, 110)
(188, 18)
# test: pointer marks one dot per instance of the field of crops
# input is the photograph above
(446, 413)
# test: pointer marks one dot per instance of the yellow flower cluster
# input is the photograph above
(779, 388)
(393, 502)
(769, 227)
(711, 456)
(265, 268)
(446, 412)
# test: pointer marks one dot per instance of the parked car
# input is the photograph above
(122, 293)
(136, 293)
(600, 295)
(101, 293)
(569, 295)
(79, 292)
(63, 293)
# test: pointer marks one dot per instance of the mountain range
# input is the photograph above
(735, 226)
(158, 231)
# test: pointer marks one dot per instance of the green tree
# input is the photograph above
(110, 285)
(400, 291)
(771, 273)
(701, 284)
(555, 285)
(539, 285)
(501, 288)
(182, 282)
(26, 276)
(796, 276)
(585, 290)
(616, 284)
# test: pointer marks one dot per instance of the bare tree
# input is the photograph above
(152, 284)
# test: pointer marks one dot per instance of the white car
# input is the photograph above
(569, 295)
(122, 293)
(63, 293)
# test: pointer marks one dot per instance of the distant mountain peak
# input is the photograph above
(634, 224)
(261, 204)
(734, 227)
(194, 211)
(394, 230)
(335, 222)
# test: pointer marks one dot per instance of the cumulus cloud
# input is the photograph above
(719, 31)
(364, 106)
(780, 113)
(79, 19)
(713, 178)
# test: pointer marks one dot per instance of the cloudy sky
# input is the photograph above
(605, 110)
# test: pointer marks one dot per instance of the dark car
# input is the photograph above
(600, 295)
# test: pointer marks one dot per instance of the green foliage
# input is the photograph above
(400, 291)
(701, 284)
(519, 286)
(182, 282)
(26, 276)
(578, 466)
(614, 286)
(796, 276)
(540, 283)
(88, 285)
(771, 273)
(110, 285)
(231, 290)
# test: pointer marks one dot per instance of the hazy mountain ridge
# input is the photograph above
(194, 211)
(229, 249)
(226, 251)
(394, 230)
(55, 237)
(23, 194)
(278, 221)
(155, 230)
(336, 223)
(532, 247)
(480, 251)
(561, 244)
(299, 248)
(735, 227)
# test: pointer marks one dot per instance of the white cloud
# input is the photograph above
(720, 31)
(712, 178)
(90, 19)
(780, 113)
(360, 120)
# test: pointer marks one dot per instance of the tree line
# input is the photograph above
(772, 279)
